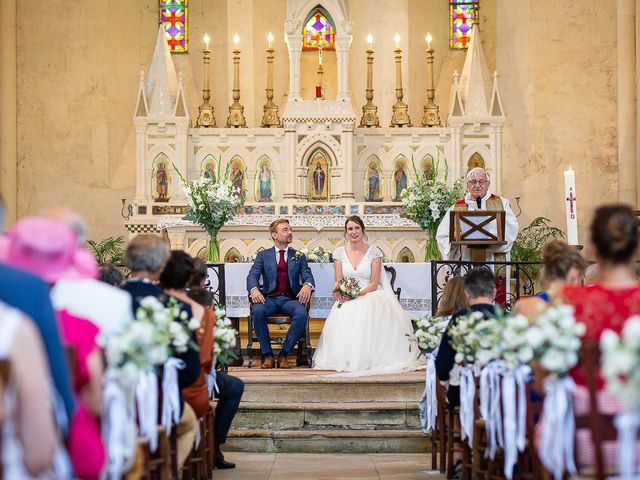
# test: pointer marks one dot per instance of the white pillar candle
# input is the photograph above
(571, 206)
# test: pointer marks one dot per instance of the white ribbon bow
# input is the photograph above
(118, 425)
(514, 389)
(428, 405)
(490, 405)
(171, 392)
(627, 424)
(147, 401)
(558, 426)
(467, 395)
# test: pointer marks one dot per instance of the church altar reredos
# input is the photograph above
(318, 166)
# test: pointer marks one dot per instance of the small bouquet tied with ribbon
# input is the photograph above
(347, 287)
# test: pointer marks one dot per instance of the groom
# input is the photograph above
(287, 284)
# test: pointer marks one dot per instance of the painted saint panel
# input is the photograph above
(237, 175)
(399, 179)
(426, 168)
(264, 181)
(161, 178)
(373, 180)
(318, 178)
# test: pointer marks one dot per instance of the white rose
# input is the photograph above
(534, 337)
(553, 360)
(609, 340)
(194, 323)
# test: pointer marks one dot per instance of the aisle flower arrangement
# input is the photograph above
(427, 201)
(212, 203)
(621, 362)
(428, 332)
(224, 338)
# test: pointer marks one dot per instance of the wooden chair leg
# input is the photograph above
(450, 434)
(250, 339)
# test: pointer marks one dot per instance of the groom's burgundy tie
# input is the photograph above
(282, 279)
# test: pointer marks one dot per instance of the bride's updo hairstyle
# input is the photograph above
(614, 233)
(358, 220)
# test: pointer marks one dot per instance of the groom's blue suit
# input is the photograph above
(298, 274)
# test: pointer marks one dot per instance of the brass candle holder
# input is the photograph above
(270, 118)
(236, 110)
(369, 110)
(206, 116)
(431, 117)
(400, 117)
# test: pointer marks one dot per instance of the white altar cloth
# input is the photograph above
(413, 278)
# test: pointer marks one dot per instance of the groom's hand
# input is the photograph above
(256, 296)
(304, 294)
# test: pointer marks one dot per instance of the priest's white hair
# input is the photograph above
(472, 173)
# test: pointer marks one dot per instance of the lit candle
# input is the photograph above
(270, 39)
(571, 206)
(429, 41)
(236, 41)
(370, 41)
(206, 41)
(397, 39)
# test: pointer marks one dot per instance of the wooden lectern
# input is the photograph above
(477, 230)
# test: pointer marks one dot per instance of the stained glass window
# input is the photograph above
(318, 32)
(174, 15)
(463, 14)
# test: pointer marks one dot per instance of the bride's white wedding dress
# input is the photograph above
(370, 334)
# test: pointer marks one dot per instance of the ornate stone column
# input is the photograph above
(8, 107)
(141, 161)
(290, 160)
(627, 149)
(294, 45)
(342, 59)
(347, 155)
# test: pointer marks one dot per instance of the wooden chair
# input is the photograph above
(454, 443)
(209, 439)
(440, 435)
(304, 352)
(195, 468)
(158, 465)
(392, 272)
(599, 424)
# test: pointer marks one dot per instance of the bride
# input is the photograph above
(371, 333)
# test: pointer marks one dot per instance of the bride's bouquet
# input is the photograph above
(347, 287)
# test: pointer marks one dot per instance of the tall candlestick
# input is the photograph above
(236, 110)
(400, 116)
(571, 206)
(270, 116)
(430, 117)
(206, 116)
(369, 111)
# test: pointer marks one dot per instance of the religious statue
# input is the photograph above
(210, 172)
(400, 178)
(374, 184)
(162, 183)
(265, 184)
(318, 180)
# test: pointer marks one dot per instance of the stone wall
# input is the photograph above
(77, 75)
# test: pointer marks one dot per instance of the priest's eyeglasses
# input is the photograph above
(482, 183)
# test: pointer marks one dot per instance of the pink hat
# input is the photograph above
(46, 248)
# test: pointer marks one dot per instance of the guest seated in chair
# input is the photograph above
(480, 290)
(287, 284)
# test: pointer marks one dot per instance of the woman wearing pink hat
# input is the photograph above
(49, 249)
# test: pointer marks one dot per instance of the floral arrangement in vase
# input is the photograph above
(427, 201)
(213, 201)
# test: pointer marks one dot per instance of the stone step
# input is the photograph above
(332, 389)
(327, 441)
(346, 415)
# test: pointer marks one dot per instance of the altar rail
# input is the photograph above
(513, 279)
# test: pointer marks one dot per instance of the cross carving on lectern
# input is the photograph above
(571, 199)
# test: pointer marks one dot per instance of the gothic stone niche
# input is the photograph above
(399, 179)
(373, 181)
(319, 176)
(405, 256)
(476, 160)
(233, 256)
(160, 178)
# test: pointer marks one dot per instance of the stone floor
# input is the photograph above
(299, 466)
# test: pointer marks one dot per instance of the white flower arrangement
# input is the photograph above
(476, 339)
(555, 339)
(157, 333)
(212, 203)
(315, 255)
(428, 332)
(224, 337)
(621, 362)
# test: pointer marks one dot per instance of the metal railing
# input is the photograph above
(513, 279)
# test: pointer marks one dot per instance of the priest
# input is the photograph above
(478, 197)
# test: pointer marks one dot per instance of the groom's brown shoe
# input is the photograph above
(267, 362)
(283, 362)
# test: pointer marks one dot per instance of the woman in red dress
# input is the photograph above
(605, 305)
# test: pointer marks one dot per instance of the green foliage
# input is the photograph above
(530, 242)
(107, 250)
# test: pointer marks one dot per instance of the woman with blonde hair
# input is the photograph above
(453, 298)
